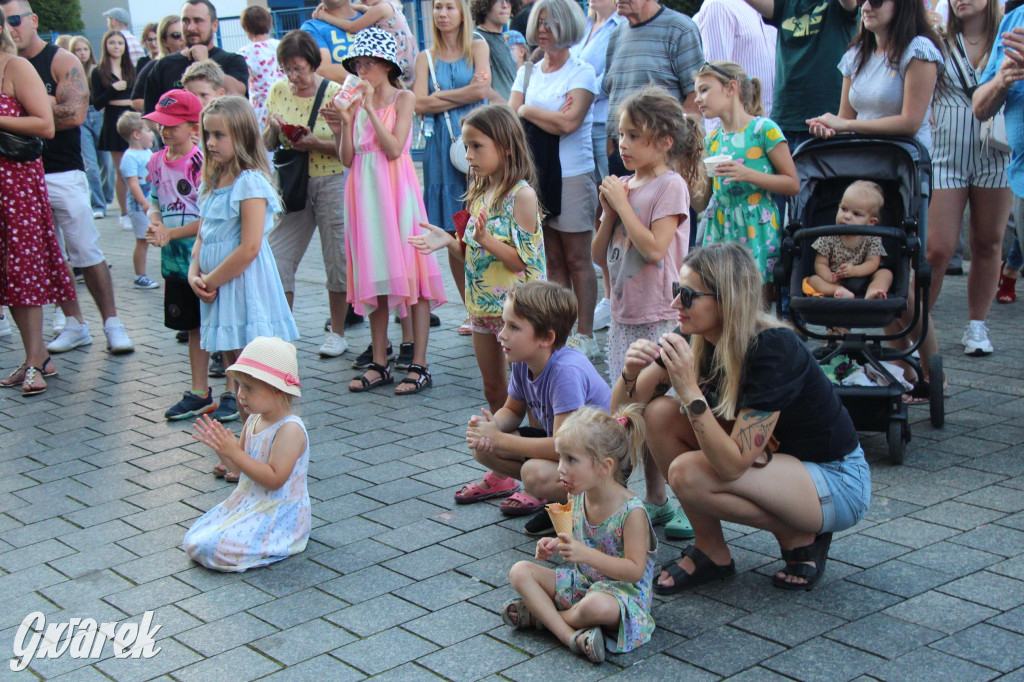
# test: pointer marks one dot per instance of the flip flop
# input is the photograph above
(525, 505)
(28, 386)
(17, 377)
(496, 487)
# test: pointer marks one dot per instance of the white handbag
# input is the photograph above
(457, 150)
(993, 133)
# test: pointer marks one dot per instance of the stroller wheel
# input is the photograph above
(896, 440)
(937, 401)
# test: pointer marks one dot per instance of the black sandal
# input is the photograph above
(816, 552)
(384, 378)
(423, 382)
(704, 571)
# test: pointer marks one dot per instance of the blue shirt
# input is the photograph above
(331, 38)
(567, 383)
(134, 164)
(593, 49)
(1014, 107)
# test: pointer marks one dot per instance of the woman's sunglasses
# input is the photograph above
(174, 36)
(686, 294)
(875, 4)
(14, 21)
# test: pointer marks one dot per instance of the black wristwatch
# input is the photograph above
(694, 408)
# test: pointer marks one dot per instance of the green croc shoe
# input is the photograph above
(662, 514)
(679, 527)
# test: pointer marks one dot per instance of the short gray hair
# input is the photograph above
(565, 21)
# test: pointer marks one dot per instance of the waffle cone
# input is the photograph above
(561, 517)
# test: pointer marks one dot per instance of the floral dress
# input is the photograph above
(636, 625)
(487, 279)
(261, 58)
(255, 526)
(739, 211)
(32, 269)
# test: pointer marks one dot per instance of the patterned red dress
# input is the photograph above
(32, 267)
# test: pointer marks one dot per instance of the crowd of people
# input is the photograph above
(568, 146)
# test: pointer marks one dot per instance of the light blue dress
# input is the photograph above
(252, 304)
(444, 185)
(255, 526)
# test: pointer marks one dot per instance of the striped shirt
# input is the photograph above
(732, 30)
(665, 50)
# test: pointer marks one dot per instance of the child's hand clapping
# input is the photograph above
(545, 548)
(157, 234)
(213, 433)
(481, 429)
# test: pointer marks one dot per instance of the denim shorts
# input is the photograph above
(844, 488)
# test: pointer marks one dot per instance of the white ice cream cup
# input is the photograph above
(712, 163)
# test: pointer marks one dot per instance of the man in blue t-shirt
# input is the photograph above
(548, 381)
(334, 43)
(1001, 83)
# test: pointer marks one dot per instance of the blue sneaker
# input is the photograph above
(227, 410)
(191, 405)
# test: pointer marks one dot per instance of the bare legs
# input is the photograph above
(570, 264)
(101, 288)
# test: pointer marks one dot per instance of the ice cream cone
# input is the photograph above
(561, 516)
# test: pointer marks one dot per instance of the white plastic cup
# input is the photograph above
(348, 91)
(712, 163)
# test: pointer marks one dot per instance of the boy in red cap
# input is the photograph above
(175, 173)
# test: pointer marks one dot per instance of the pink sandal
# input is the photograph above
(487, 489)
(524, 505)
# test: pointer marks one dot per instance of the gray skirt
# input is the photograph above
(579, 205)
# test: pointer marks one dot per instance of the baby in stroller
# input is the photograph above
(848, 264)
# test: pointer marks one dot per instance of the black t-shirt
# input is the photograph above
(166, 73)
(63, 152)
(782, 376)
(139, 89)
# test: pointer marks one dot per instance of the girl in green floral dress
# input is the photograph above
(743, 207)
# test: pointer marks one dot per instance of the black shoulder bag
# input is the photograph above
(292, 166)
(544, 147)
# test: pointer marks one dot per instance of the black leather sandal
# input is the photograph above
(423, 382)
(816, 552)
(704, 571)
(368, 384)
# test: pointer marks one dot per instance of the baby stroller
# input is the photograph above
(902, 167)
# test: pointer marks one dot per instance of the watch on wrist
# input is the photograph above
(694, 408)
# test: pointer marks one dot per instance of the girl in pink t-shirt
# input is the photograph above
(644, 235)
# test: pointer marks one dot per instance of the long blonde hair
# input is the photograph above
(657, 114)
(954, 27)
(91, 64)
(241, 122)
(750, 88)
(501, 125)
(465, 37)
(597, 434)
(6, 41)
(729, 272)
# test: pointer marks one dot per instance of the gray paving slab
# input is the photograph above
(398, 582)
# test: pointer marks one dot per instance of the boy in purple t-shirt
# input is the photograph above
(549, 380)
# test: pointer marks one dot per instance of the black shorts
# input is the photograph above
(181, 306)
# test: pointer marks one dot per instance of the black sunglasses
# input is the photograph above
(176, 35)
(686, 294)
(875, 4)
(14, 21)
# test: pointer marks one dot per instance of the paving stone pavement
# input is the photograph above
(398, 583)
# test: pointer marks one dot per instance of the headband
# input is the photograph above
(288, 379)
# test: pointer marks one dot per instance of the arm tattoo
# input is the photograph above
(72, 99)
(757, 430)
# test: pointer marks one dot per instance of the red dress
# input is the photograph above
(32, 267)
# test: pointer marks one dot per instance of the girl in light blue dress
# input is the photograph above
(233, 270)
(267, 518)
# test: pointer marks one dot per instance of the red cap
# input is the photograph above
(176, 107)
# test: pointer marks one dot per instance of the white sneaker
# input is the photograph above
(334, 346)
(975, 339)
(5, 325)
(144, 282)
(59, 320)
(98, 214)
(602, 314)
(586, 345)
(126, 222)
(75, 334)
(118, 342)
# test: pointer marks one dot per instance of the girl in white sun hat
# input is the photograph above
(267, 517)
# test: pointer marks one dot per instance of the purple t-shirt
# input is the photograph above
(567, 383)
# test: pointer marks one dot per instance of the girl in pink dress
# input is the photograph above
(383, 208)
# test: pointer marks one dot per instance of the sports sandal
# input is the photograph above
(524, 619)
(17, 377)
(495, 487)
(704, 571)
(524, 505)
(422, 382)
(592, 645)
(367, 384)
(816, 552)
(29, 385)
